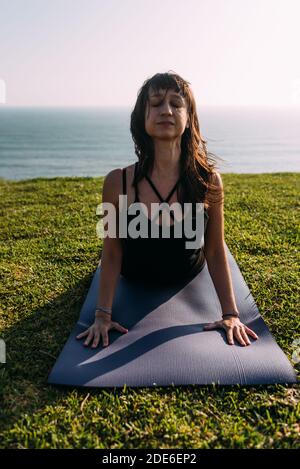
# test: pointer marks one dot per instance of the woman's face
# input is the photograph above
(166, 106)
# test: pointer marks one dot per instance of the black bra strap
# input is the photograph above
(158, 194)
(125, 184)
(136, 188)
(152, 185)
(124, 180)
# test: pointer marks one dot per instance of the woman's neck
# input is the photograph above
(167, 169)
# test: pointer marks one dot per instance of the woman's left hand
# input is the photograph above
(234, 328)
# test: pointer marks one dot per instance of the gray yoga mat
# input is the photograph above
(165, 344)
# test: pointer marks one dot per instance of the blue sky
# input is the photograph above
(99, 52)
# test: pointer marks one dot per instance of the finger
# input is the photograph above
(96, 340)
(105, 339)
(230, 336)
(83, 334)
(120, 328)
(89, 338)
(251, 332)
(245, 337)
(238, 336)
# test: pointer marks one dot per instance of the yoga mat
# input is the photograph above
(165, 344)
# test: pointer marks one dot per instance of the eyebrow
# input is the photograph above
(160, 94)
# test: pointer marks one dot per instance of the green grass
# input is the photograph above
(49, 252)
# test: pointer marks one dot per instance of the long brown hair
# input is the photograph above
(196, 164)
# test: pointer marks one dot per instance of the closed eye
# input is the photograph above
(175, 105)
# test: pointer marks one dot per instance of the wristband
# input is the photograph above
(234, 314)
(102, 309)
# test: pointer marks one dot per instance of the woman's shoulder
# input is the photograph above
(129, 168)
(215, 183)
(215, 193)
(113, 184)
(216, 178)
(117, 172)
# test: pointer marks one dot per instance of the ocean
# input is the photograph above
(50, 142)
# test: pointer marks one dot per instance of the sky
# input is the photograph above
(100, 52)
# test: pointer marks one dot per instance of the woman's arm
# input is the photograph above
(215, 254)
(218, 266)
(111, 259)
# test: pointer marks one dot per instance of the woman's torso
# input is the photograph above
(157, 260)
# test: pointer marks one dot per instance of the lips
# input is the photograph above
(166, 122)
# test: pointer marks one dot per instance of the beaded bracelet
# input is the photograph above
(105, 310)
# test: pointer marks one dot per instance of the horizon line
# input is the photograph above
(127, 106)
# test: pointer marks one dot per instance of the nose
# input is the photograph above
(166, 108)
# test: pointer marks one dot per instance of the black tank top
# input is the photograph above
(159, 260)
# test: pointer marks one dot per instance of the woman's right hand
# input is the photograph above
(100, 328)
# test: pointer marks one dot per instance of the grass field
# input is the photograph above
(49, 252)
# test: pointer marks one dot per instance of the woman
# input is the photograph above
(173, 166)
